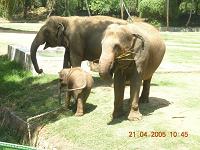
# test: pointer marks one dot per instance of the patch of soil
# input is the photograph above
(55, 142)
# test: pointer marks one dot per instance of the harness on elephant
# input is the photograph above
(126, 59)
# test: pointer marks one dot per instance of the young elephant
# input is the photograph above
(78, 84)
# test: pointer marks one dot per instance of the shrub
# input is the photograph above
(59, 7)
(152, 9)
(156, 10)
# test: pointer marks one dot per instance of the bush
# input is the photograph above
(103, 7)
(111, 7)
(156, 10)
(59, 7)
(152, 9)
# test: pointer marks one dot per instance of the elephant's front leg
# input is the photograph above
(119, 86)
(67, 100)
(135, 84)
(67, 62)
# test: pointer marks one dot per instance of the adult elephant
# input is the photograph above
(81, 37)
(133, 52)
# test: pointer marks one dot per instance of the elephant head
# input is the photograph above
(119, 40)
(52, 34)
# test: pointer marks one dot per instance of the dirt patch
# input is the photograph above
(56, 142)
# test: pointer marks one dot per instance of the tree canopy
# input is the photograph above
(181, 12)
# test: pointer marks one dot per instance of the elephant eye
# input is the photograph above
(117, 47)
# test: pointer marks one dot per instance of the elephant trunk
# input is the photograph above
(106, 66)
(34, 46)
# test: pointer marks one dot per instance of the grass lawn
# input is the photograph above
(173, 112)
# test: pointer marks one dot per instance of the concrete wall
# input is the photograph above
(21, 57)
(50, 60)
(180, 29)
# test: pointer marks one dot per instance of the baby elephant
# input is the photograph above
(78, 84)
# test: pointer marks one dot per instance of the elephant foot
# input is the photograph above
(117, 114)
(78, 114)
(144, 100)
(134, 116)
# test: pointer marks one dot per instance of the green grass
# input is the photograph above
(25, 93)
(96, 131)
(182, 49)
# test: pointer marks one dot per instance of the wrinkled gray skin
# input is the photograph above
(81, 82)
(81, 37)
(149, 50)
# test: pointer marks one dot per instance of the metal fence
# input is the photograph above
(10, 146)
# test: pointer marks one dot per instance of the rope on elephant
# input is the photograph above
(127, 57)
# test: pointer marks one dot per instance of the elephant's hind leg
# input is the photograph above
(144, 98)
(119, 86)
(80, 107)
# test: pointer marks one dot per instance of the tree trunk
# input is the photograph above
(189, 18)
(66, 12)
(122, 9)
(167, 14)
(50, 6)
(87, 6)
(190, 15)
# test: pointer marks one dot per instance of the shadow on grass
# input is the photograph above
(154, 104)
(100, 82)
(27, 96)
(145, 108)
(88, 108)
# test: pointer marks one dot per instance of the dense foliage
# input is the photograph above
(154, 11)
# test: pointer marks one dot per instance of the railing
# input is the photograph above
(10, 146)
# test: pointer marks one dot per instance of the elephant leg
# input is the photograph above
(119, 86)
(80, 107)
(66, 62)
(76, 60)
(144, 98)
(77, 52)
(67, 100)
(86, 95)
(135, 84)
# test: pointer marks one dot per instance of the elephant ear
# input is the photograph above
(60, 33)
(140, 45)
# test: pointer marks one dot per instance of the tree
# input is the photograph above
(9, 7)
(167, 6)
(190, 7)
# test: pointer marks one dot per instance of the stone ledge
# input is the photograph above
(50, 60)
(180, 29)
